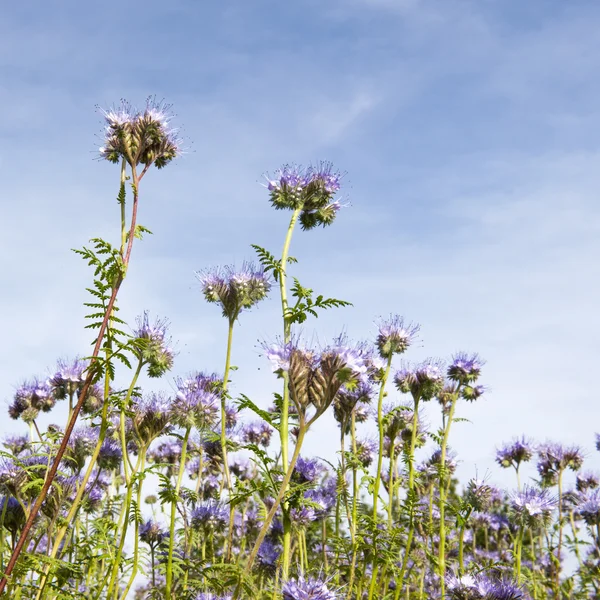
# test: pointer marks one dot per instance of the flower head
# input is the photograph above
(311, 190)
(150, 417)
(30, 399)
(532, 507)
(68, 378)
(234, 289)
(307, 589)
(518, 451)
(423, 380)
(140, 136)
(465, 368)
(152, 533)
(197, 400)
(395, 336)
(589, 508)
(553, 459)
(152, 346)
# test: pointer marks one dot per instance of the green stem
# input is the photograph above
(442, 492)
(169, 577)
(285, 405)
(286, 480)
(381, 436)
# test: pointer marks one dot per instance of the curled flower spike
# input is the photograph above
(68, 378)
(152, 345)
(152, 533)
(554, 458)
(589, 508)
(150, 417)
(395, 336)
(140, 136)
(235, 290)
(310, 190)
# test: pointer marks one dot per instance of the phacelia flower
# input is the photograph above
(307, 589)
(586, 481)
(465, 368)
(110, 455)
(197, 401)
(554, 458)
(68, 378)
(140, 136)
(423, 380)
(30, 399)
(152, 533)
(16, 444)
(150, 417)
(311, 190)
(308, 470)
(257, 432)
(395, 336)
(518, 451)
(234, 289)
(209, 515)
(152, 346)
(589, 508)
(532, 507)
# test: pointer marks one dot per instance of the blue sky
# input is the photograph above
(469, 133)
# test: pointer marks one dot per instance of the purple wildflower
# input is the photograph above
(234, 289)
(586, 481)
(465, 368)
(152, 533)
(589, 508)
(197, 401)
(516, 452)
(553, 459)
(209, 515)
(257, 432)
(140, 136)
(268, 555)
(150, 417)
(308, 470)
(532, 507)
(395, 336)
(68, 378)
(311, 190)
(110, 455)
(16, 444)
(152, 346)
(307, 589)
(30, 399)
(423, 380)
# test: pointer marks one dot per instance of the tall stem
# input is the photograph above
(381, 436)
(442, 493)
(169, 582)
(285, 405)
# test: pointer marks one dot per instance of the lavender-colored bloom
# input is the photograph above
(234, 289)
(209, 515)
(465, 368)
(16, 444)
(110, 455)
(30, 399)
(308, 470)
(395, 336)
(479, 494)
(152, 533)
(257, 432)
(481, 587)
(532, 507)
(268, 555)
(152, 346)
(140, 136)
(554, 458)
(150, 417)
(211, 596)
(68, 378)
(589, 508)
(307, 589)
(311, 190)
(80, 447)
(586, 481)
(365, 451)
(423, 380)
(516, 452)
(197, 401)
(353, 400)
(323, 497)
